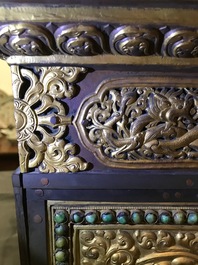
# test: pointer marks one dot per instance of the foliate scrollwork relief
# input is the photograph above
(137, 247)
(181, 43)
(26, 39)
(128, 40)
(42, 120)
(107, 247)
(80, 40)
(124, 124)
(60, 157)
(97, 38)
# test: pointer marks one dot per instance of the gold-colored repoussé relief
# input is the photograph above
(132, 121)
(93, 39)
(89, 40)
(42, 120)
(115, 234)
(125, 123)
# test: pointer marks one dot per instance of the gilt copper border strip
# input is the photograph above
(40, 13)
(103, 60)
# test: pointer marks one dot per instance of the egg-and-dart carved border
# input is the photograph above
(93, 39)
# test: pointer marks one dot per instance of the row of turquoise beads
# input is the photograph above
(137, 217)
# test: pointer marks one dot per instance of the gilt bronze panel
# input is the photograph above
(42, 118)
(138, 122)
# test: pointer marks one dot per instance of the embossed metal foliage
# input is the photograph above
(128, 40)
(42, 120)
(125, 124)
(135, 247)
(80, 40)
(181, 43)
(96, 38)
(26, 39)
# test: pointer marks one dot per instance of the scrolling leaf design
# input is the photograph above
(181, 43)
(42, 120)
(137, 247)
(128, 40)
(129, 124)
(80, 40)
(108, 247)
(26, 39)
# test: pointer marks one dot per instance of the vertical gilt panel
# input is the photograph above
(42, 118)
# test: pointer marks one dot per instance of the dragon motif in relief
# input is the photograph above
(129, 124)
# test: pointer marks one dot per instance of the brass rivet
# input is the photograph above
(189, 182)
(38, 219)
(44, 181)
(166, 196)
(39, 193)
(178, 195)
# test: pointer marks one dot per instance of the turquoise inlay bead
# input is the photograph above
(91, 217)
(61, 255)
(165, 218)
(60, 217)
(192, 218)
(123, 218)
(107, 217)
(61, 230)
(151, 218)
(77, 217)
(137, 217)
(61, 242)
(180, 218)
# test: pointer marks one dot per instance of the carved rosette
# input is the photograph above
(126, 124)
(41, 118)
(88, 235)
(181, 43)
(80, 40)
(128, 40)
(26, 39)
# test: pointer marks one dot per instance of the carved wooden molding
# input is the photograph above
(88, 40)
(128, 123)
(114, 234)
(42, 120)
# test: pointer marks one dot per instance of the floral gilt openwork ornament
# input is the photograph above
(40, 100)
(127, 124)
